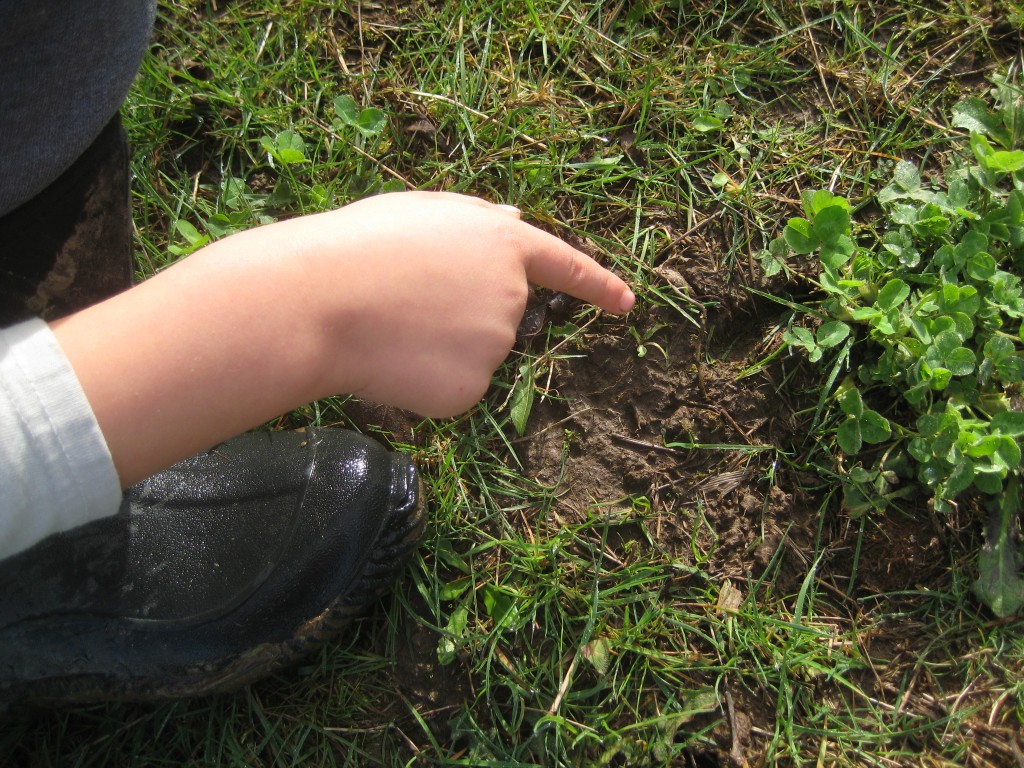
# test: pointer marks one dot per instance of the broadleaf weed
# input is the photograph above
(934, 305)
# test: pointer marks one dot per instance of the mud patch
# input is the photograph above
(693, 429)
(434, 690)
(697, 429)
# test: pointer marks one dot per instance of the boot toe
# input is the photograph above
(213, 573)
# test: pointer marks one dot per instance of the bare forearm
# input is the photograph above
(212, 347)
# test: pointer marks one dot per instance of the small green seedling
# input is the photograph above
(1000, 583)
(523, 393)
(644, 343)
(368, 122)
(192, 237)
(287, 148)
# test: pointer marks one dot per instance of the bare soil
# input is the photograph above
(745, 505)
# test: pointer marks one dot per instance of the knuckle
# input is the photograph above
(575, 271)
(510, 234)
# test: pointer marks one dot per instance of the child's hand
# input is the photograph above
(409, 299)
(429, 288)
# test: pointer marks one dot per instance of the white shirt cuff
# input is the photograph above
(56, 471)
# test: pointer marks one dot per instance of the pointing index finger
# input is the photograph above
(554, 264)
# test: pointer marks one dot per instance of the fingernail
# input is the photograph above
(510, 209)
(628, 300)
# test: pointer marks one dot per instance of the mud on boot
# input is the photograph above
(214, 573)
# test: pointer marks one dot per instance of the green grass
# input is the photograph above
(526, 633)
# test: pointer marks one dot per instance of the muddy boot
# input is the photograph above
(214, 573)
(71, 245)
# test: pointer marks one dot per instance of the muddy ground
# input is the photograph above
(750, 504)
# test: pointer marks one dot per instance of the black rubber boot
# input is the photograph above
(214, 573)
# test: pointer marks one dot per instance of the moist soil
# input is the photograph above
(743, 501)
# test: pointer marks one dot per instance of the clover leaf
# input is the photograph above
(830, 334)
(369, 121)
(287, 147)
(862, 425)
